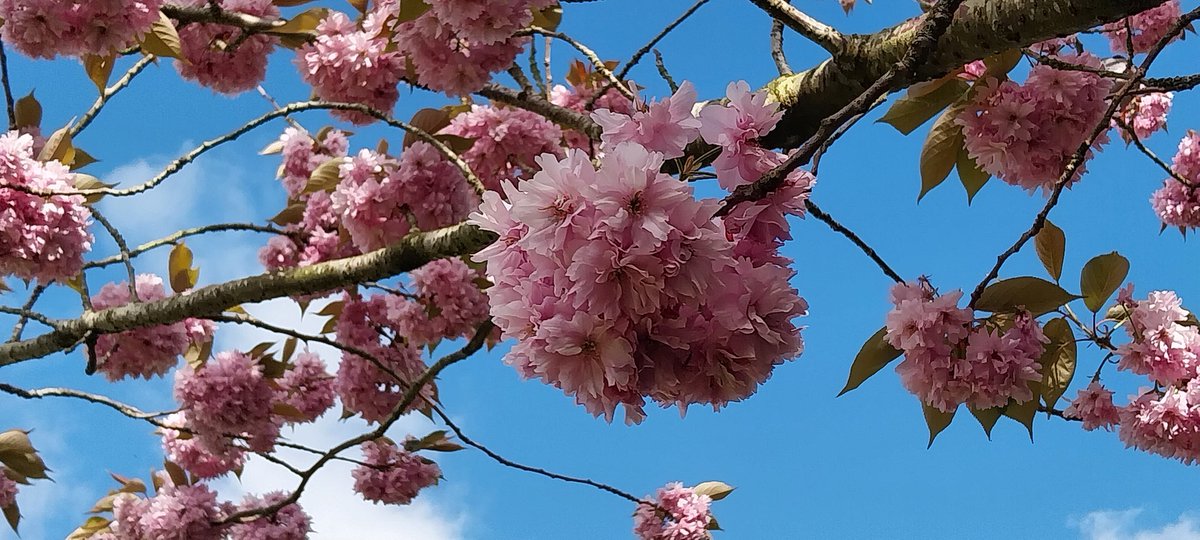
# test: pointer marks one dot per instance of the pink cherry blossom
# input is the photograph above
(681, 514)
(620, 285)
(1161, 348)
(1094, 406)
(392, 475)
(577, 96)
(1167, 424)
(446, 61)
(506, 141)
(1146, 114)
(196, 458)
(351, 64)
(228, 396)
(1025, 134)
(219, 56)
(736, 128)
(307, 387)
(363, 386)
(288, 523)
(174, 513)
(148, 351)
(487, 21)
(42, 238)
(1177, 204)
(8, 490)
(665, 127)
(48, 28)
(1149, 27)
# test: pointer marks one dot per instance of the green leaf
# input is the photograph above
(457, 144)
(87, 182)
(922, 102)
(548, 17)
(987, 418)
(58, 147)
(1101, 277)
(303, 23)
(13, 514)
(162, 39)
(410, 10)
(326, 176)
(875, 353)
(998, 65)
(1058, 361)
(179, 268)
(99, 69)
(17, 453)
(293, 213)
(714, 489)
(940, 152)
(1051, 245)
(1023, 413)
(28, 112)
(1036, 295)
(937, 421)
(973, 177)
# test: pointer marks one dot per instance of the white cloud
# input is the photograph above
(1122, 525)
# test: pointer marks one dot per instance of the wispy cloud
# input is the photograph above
(1124, 525)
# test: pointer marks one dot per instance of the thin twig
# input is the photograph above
(1137, 142)
(123, 247)
(854, 238)
(28, 307)
(109, 92)
(816, 31)
(185, 233)
(125, 409)
(649, 46)
(588, 53)
(9, 103)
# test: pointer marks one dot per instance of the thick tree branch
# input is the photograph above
(980, 28)
(407, 254)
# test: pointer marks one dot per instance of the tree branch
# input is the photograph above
(408, 254)
(803, 24)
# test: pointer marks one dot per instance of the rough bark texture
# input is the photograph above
(980, 28)
(408, 254)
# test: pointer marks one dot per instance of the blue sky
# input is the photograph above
(806, 464)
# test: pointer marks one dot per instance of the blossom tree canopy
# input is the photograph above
(625, 247)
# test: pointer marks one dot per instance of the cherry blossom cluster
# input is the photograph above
(1178, 204)
(392, 328)
(949, 360)
(368, 386)
(506, 140)
(379, 199)
(454, 47)
(1025, 134)
(228, 396)
(1094, 407)
(173, 513)
(680, 514)
(619, 284)
(41, 237)
(181, 447)
(220, 56)
(287, 523)
(1160, 347)
(318, 233)
(149, 351)
(1165, 419)
(49, 28)
(579, 94)
(1149, 27)
(1146, 114)
(192, 512)
(305, 389)
(392, 475)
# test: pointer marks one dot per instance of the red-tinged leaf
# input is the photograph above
(1051, 245)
